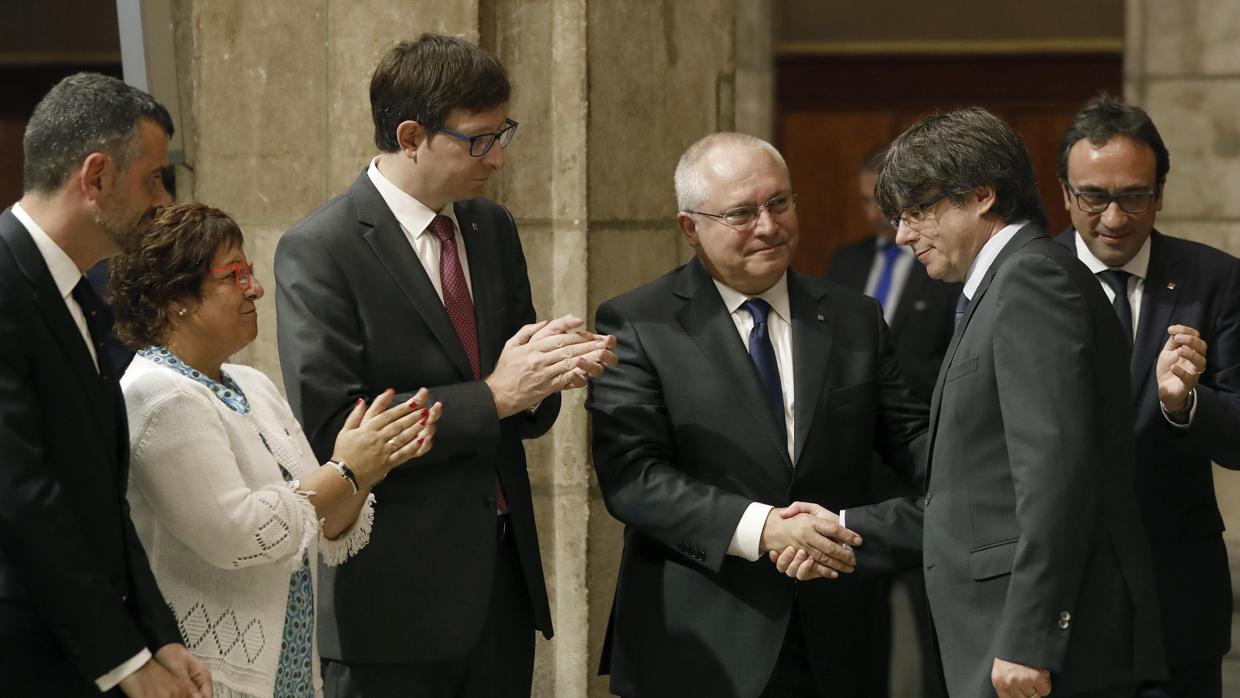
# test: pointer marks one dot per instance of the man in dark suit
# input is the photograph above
(1036, 564)
(920, 312)
(1177, 299)
(742, 386)
(409, 279)
(80, 611)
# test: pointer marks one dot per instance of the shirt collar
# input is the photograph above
(64, 272)
(776, 295)
(414, 215)
(1138, 266)
(986, 257)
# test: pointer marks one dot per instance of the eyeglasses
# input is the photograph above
(1099, 201)
(242, 273)
(481, 144)
(916, 212)
(745, 216)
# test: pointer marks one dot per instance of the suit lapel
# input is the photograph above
(707, 322)
(55, 316)
(392, 249)
(812, 328)
(1165, 282)
(1020, 239)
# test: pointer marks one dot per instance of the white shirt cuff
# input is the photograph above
(1192, 412)
(109, 680)
(748, 533)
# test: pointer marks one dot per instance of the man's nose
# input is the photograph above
(1113, 216)
(905, 234)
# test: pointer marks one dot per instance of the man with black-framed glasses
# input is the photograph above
(1179, 303)
(411, 279)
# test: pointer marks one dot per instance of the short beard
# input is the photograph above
(123, 231)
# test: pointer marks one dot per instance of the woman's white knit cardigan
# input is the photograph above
(222, 529)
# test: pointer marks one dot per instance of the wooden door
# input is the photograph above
(833, 110)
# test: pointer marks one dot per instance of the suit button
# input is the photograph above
(926, 504)
(1065, 616)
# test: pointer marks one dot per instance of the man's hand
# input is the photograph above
(183, 664)
(1013, 680)
(798, 562)
(810, 528)
(152, 680)
(544, 358)
(1180, 364)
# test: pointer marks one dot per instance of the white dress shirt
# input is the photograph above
(1138, 269)
(903, 263)
(748, 534)
(415, 218)
(66, 275)
(986, 257)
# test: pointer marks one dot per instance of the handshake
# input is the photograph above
(806, 541)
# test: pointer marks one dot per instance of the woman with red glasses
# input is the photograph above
(230, 503)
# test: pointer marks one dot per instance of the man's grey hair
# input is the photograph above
(690, 185)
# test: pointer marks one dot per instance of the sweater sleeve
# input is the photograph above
(183, 462)
(355, 537)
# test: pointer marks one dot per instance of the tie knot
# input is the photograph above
(758, 310)
(1117, 279)
(442, 228)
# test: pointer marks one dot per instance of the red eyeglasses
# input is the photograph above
(241, 272)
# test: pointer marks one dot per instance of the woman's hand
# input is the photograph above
(376, 439)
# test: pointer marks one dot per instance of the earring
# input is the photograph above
(182, 311)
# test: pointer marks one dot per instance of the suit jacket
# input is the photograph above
(77, 597)
(357, 314)
(922, 325)
(1033, 544)
(683, 442)
(1190, 284)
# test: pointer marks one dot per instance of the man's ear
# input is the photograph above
(688, 226)
(1067, 195)
(410, 135)
(1158, 194)
(985, 198)
(94, 176)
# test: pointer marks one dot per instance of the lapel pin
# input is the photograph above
(474, 226)
(1170, 285)
(820, 317)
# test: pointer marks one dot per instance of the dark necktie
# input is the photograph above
(962, 304)
(890, 252)
(460, 307)
(96, 323)
(762, 354)
(1117, 279)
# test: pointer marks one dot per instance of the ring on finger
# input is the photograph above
(391, 444)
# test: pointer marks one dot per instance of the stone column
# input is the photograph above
(1182, 64)
(608, 95)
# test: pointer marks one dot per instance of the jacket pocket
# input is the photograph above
(961, 368)
(992, 560)
(841, 397)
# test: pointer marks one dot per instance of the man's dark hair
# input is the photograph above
(1105, 117)
(85, 113)
(426, 79)
(953, 153)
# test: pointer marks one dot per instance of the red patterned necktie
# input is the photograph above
(460, 307)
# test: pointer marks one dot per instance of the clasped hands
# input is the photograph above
(806, 541)
(544, 358)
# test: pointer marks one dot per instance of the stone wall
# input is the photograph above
(607, 94)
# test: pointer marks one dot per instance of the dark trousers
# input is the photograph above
(792, 675)
(500, 665)
(1198, 681)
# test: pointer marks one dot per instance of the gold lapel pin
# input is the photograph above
(474, 226)
(1170, 285)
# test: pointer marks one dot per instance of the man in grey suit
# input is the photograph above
(408, 279)
(1036, 564)
(742, 386)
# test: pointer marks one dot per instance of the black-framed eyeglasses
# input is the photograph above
(482, 143)
(745, 216)
(1099, 201)
(914, 213)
